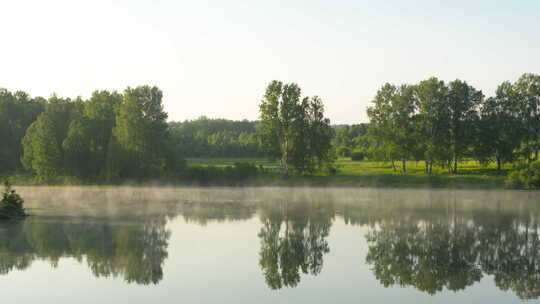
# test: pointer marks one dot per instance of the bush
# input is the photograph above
(230, 175)
(358, 155)
(11, 205)
(525, 178)
(344, 152)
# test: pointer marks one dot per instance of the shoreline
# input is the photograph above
(396, 181)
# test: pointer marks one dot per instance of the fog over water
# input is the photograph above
(272, 245)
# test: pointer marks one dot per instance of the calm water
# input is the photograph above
(270, 245)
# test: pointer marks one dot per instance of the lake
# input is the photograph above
(272, 245)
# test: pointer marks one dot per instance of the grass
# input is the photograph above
(376, 174)
(223, 162)
(350, 174)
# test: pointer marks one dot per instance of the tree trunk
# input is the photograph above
(393, 165)
(455, 164)
(498, 164)
(285, 160)
(404, 165)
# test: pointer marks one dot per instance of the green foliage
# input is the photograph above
(87, 141)
(206, 137)
(42, 152)
(358, 155)
(432, 122)
(393, 123)
(525, 178)
(295, 130)
(349, 138)
(17, 111)
(114, 136)
(238, 174)
(11, 205)
(499, 130)
(138, 147)
(527, 88)
(110, 135)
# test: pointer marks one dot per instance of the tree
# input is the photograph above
(42, 142)
(500, 132)
(528, 89)
(463, 103)
(17, 112)
(88, 137)
(392, 123)
(313, 136)
(139, 140)
(431, 95)
(42, 152)
(295, 130)
(277, 113)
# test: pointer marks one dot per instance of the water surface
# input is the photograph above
(272, 245)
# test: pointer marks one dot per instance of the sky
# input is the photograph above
(215, 58)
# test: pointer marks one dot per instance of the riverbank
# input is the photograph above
(213, 172)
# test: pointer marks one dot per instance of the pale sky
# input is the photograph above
(215, 58)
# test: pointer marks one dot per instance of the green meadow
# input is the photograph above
(372, 174)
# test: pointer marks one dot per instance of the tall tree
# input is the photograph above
(295, 129)
(500, 131)
(312, 137)
(86, 144)
(17, 111)
(381, 131)
(139, 140)
(463, 104)
(278, 112)
(432, 125)
(42, 143)
(393, 123)
(42, 152)
(528, 88)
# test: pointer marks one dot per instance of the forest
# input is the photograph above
(123, 136)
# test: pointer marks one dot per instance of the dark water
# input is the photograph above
(164, 245)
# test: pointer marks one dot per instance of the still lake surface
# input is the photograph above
(272, 245)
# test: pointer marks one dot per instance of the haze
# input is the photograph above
(215, 58)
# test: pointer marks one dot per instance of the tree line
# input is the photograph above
(109, 136)
(125, 136)
(118, 136)
(205, 137)
(443, 123)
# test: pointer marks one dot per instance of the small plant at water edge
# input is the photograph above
(525, 178)
(11, 205)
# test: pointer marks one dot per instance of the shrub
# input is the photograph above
(230, 175)
(525, 178)
(344, 152)
(358, 155)
(11, 205)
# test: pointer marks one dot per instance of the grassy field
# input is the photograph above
(376, 174)
(350, 174)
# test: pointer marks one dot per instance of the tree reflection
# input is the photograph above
(130, 250)
(509, 249)
(433, 242)
(452, 251)
(293, 241)
(427, 255)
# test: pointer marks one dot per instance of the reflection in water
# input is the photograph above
(293, 240)
(429, 240)
(453, 250)
(135, 252)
